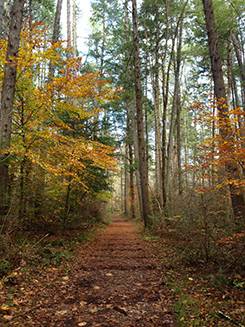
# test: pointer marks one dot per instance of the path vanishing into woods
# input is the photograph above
(115, 280)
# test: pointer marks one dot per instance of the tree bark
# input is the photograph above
(140, 120)
(130, 142)
(126, 180)
(4, 19)
(178, 109)
(175, 108)
(56, 33)
(69, 37)
(56, 28)
(8, 92)
(74, 27)
(239, 57)
(158, 159)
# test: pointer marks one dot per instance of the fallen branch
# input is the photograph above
(228, 318)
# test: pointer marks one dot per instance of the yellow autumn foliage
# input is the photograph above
(49, 125)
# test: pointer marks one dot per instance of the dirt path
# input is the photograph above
(114, 281)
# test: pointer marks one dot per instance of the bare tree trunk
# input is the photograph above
(4, 18)
(178, 109)
(56, 33)
(232, 169)
(126, 180)
(67, 204)
(176, 104)
(158, 159)
(130, 142)
(74, 27)
(56, 28)
(239, 56)
(140, 120)
(69, 39)
(164, 118)
(2, 4)
(137, 173)
(131, 182)
(8, 92)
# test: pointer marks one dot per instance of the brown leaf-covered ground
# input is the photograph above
(114, 280)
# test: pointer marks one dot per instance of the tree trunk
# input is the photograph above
(131, 182)
(4, 18)
(239, 56)
(67, 204)
(176, 104)
(8, 92)
(2, 3)
(56, 28)
(164, 118)
(178, 110)
(232, 169)
(158, 159)
(69, 38)
(140, 120)
(126, 181)
(56, 33)
(136, 155)
(130, 142)
(74, 27)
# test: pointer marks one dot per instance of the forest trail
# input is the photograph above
(115, 280)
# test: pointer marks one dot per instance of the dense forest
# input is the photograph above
(148, 124)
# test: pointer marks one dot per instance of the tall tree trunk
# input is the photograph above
(178, 109)
(130, 142)
(56, 28)
(158, 159)
(164, 117)
(74, 27)
(2, 3)
(140, 120)
(136, 155)
(68, 24)
(175, 108)
(232, 169)
(131, 181)
(239, 57)
(4, 19)
(8, 92)
(56, 33)
(126, 180)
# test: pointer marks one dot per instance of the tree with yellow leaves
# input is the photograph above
(49, 125)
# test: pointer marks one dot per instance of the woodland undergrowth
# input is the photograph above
(202, 250)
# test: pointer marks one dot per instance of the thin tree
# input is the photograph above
(69, 27)
(8, 92)
(56, 33)
(140, 120)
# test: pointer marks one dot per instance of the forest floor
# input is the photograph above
(113, 280)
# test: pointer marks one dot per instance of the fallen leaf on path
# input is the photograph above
(83, 303)
(61, 312)
(93, 310)
(7, 317)
(65, 278)
(4, 307)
